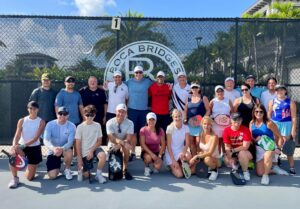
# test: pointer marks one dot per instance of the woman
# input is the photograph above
(259, 126)
(207, 148)
(177, 144)
(282, 111)
(26, 143)
(195, 106)
(245, 104)
(152, 140)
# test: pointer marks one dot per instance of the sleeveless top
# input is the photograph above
(261, 130)
(29, 129)
(246, 111)
(281, 110)
(221, 107)
(205, 147)
(197, 108)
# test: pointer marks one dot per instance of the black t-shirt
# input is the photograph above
(96, 98)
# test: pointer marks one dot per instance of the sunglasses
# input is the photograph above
(63, 113)
(244, 90)
(89, 115)
(119, 128)
(139, 72)
(259, 111)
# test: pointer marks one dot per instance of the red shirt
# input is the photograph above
(160, 96)
(236, 138)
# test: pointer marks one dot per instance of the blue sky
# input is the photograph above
(149, 8)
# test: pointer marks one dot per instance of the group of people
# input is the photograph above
(228, 128)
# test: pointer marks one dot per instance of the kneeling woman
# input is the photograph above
(177, 144)
(208, 148)
(153, 143)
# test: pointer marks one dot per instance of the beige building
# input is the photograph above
(263, 6)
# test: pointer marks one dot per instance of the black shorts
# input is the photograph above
(33, 154)
(88, 164)
(53, 162)
(143, 152)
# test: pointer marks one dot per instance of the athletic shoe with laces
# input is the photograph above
(265, 180)
(213, 176)
(14, 183)
(147, 171)
(68, 174)
(276, 169)
(101, 179)
(246, 175)
(292, 171)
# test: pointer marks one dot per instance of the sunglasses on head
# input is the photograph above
(244, 90)
(89, 115)
(139, 72)
(63, 113)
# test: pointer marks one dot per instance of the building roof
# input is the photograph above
(257, 6)
(36, 55)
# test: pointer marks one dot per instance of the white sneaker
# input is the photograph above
(265, 180)
(14, 183)
(147, 171)
(213, 176)
(80, 175)
(68, 174)
(276, 169)
(246, 175)
(101, 179)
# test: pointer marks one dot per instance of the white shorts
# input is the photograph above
(260, 154)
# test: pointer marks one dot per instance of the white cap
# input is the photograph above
(138, 69)
(181, 74)
(195, 85)
(121, 107)
(117, 73)
(160, 73)
(219, 87)
(229, 79)
(151, 115)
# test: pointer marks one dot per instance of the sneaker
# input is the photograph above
(265, 180)
(101, 179)
(132, 157)
(68, 174)
(246, 175)
(80, 175)
(213, 176)
(128, 176)
(276, 169)
(154, 170)
(147, 171)
(14, 183)
(292, 171)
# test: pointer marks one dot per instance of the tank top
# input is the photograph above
(246, 111)
(221, 107)
(205, 147)
(281, 110)
(261, 130)
(197, 108)
(29, 129)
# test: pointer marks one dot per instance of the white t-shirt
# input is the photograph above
(266, 96)
(116, 96)
(220, 107)
(88, 135)
(232, 95)
(179, 96)
(29, 129)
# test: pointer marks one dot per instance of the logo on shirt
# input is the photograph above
(141, 53)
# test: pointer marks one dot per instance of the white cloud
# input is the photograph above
(94, 7)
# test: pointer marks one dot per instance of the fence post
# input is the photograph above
(236, 48)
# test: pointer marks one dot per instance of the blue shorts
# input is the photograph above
(195, 130)
(285, 128)
(138, 117)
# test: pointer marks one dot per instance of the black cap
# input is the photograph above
(63, 109)
(33, 104)
(250, 76)
(280, 86)
(235, 116)
(70, 79)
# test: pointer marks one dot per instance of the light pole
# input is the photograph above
(198, 40)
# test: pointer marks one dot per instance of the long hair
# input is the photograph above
(210, 121)
(265, 116)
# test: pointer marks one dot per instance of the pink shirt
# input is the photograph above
(152, 140)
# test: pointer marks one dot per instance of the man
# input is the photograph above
(120, 133)
(180, 92)
(229, 91)
(137, 103)
(88, 140)
(58, 138)
(270, 93)
(160, 93)
(237, 140)
(255, 91)
(70, 99)
(117, 94)
(45, 97)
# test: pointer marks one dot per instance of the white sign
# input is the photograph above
(116, 23)
(134, 53)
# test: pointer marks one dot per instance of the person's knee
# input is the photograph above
(101, 156)
(53, 174)
(147, 158)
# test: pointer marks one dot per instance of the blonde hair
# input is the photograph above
(210, 121)
(175, 112)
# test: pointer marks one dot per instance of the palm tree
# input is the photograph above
(132, 29)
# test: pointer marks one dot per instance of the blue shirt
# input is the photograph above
(138, 93)
(281, 110)
(255, 91)
(262, 130)
(59, 135)
(70, 100)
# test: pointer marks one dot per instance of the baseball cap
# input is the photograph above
(45, 76)
(235, 116)
(250, 77)
(229, 79)
(70, 79)
(160, 73)
(151, 115)
(195, 85)
(117, 73)
(121, 107)
(33, 104)
(181, 74)
(280, 86)
(219, 87)
(63, 109)
(138, 69)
